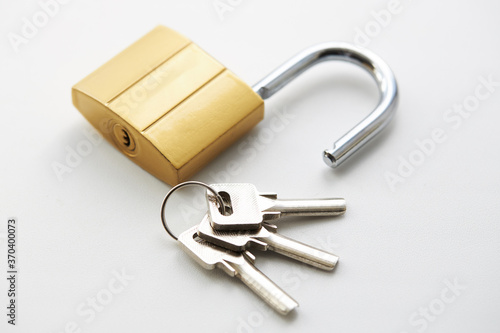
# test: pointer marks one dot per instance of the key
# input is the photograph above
(239, 264)
(249, 209)
(264, 239)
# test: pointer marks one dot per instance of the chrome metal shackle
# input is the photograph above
(372, 124)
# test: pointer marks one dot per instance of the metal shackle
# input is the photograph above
(372, 124)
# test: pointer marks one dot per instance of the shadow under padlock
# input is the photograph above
(171, 108)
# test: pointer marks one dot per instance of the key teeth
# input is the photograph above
(271, 216)
(250, 256)
(258, 244)
(270, 227)
(227, 268)
(273, 196)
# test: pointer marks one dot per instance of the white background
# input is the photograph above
(399, 246)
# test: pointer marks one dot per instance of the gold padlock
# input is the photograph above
(167, 104)
(171, 108)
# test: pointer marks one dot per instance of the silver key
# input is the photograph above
(248, 209)
(237, 264)
(264, 239)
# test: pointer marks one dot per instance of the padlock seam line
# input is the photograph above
(214, 141)
(217, 138)
(186, 98)
(148, 73)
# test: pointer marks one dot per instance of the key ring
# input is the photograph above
(217, 196)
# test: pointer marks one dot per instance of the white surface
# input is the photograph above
(397, 248)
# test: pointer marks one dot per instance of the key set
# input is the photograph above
(237, 221)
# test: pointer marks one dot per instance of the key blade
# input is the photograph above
(264, 288)
(301, 207)
(300, 251)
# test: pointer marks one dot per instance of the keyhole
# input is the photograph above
(126, 138)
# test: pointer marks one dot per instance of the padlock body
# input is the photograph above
(168, 105)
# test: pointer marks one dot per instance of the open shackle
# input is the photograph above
(372, 124)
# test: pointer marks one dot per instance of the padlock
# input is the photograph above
(171, 108)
